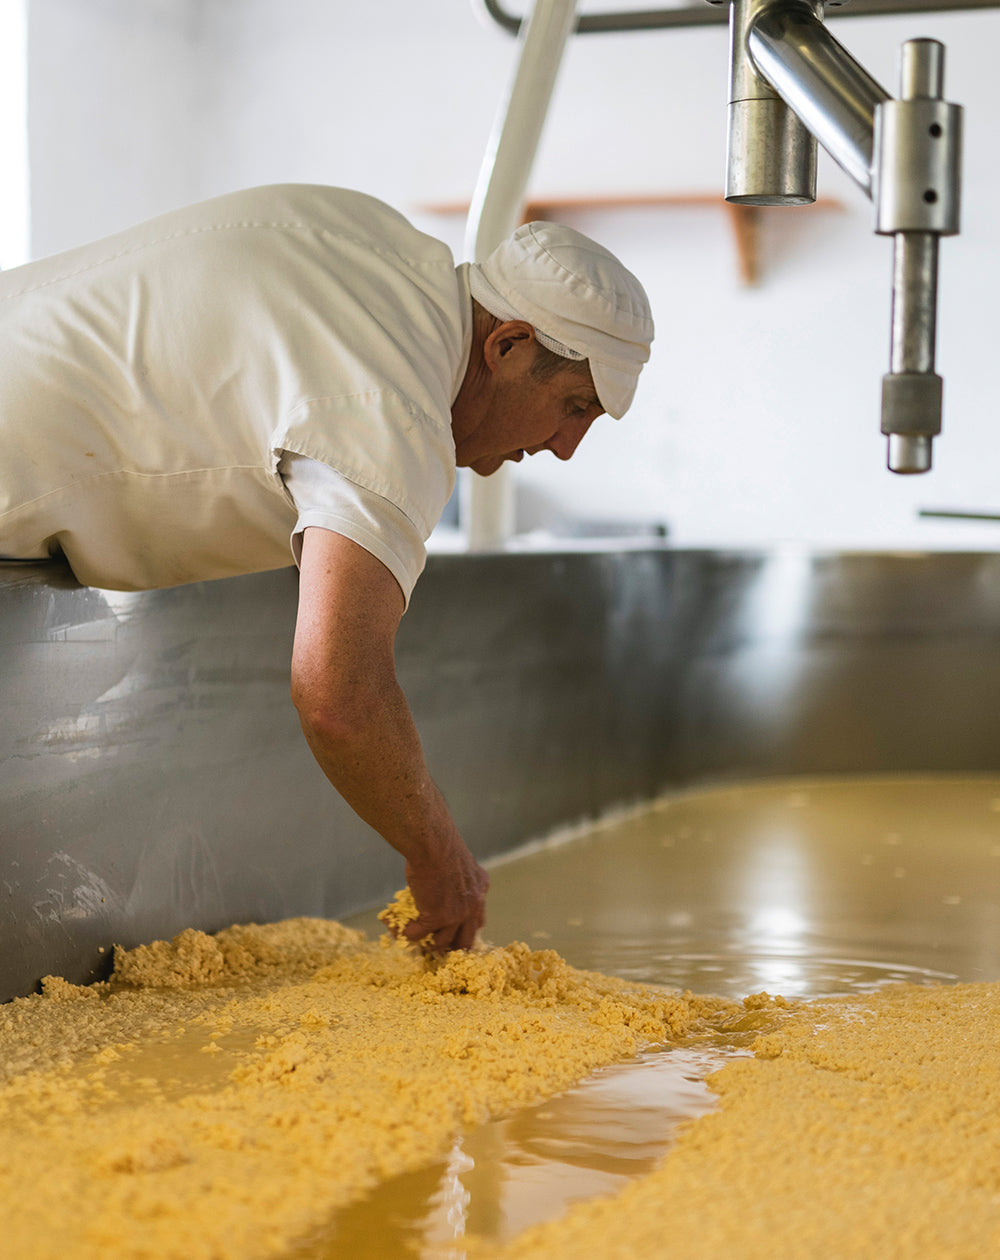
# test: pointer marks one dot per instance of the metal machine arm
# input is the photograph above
(793, 84)
(792, 81)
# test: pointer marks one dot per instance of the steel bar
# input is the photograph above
(911, 393)
(952, 514)
(914, 301)
(711, 14)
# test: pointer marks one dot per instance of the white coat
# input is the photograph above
(150, 382)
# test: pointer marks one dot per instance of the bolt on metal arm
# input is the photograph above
(793, 83)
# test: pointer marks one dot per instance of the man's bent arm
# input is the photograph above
(359, 727)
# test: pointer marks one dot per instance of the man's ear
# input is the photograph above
(513, 335)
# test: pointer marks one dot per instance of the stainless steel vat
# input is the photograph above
(153, 776)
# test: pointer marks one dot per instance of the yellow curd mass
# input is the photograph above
(222, 1096)
(863, 1129)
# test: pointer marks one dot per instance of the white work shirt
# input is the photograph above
(324, 497)
(152, 383)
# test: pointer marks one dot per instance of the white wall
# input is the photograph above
(14, 248)
(116, 117)
(757, 419)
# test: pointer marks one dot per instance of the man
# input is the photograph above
(296, 362)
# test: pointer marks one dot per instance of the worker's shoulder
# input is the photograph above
(341, 213)
(269, 213)
(292, 204)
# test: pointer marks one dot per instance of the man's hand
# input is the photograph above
(451, 896)
(359, 727)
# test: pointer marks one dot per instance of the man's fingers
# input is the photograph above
(466, 937)
(439, 938)
(442, 939)
(450, 903)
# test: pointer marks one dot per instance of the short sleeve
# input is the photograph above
(326, 498)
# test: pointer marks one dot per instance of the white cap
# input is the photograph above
(580, 300)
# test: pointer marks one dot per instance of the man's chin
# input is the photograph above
(488, 465)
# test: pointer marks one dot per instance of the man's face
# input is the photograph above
(520, 415)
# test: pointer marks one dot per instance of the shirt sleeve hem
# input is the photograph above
(364, 538)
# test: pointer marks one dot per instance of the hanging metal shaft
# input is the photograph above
(918, 142)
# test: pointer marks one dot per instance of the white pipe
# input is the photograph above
(486, 509)
(487, 504)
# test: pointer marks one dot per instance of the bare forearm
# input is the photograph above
(359, 727)
(374, 759)
(378, 767)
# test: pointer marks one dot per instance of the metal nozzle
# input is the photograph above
(771, 153)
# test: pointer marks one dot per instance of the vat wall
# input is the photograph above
(153, 775)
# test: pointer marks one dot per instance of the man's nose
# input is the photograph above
(563, 443)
